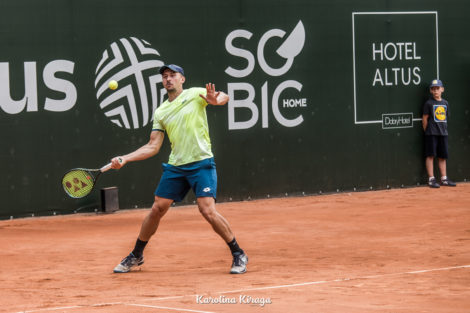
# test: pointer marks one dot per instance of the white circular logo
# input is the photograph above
(134, 64)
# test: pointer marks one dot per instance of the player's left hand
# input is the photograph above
(211, 96)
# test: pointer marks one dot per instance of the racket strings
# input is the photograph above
(78, 183)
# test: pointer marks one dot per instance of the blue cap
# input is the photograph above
(175, 68)
(436, 83)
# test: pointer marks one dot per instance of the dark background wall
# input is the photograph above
(309, 94)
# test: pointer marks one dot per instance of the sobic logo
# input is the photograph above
(134, 64)
(288, 50)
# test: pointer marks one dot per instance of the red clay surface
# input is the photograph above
(402, 250)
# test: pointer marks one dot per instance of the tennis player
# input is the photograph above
(191, 163)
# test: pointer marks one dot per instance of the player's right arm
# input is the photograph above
(146, 151)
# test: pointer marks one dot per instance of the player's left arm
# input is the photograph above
(214, 97)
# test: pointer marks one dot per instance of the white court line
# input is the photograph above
(53, 309)
(173, 297)
(106, 304)
(254, 289)
(344, 279)
(167, 308)
(72, 307)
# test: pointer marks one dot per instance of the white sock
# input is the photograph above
(431, 178)
(443, 177)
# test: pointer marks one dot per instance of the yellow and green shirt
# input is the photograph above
(185, 121)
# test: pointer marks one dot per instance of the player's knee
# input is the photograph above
(209, 213)
(157, 211)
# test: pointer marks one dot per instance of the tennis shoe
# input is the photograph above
(448, 182)
(128, 263)
(239, 264)
(433, 183)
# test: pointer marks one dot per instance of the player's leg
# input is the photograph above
(220, 225)
(150, 224)
(203, 180)
(148, 228)
(152, 220)
(172, 187)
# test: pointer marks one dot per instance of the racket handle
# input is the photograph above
(108, 166)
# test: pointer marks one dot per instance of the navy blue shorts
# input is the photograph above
(176, 181)
(436, 146)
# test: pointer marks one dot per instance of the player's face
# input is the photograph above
(172, 81)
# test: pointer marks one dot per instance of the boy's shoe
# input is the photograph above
(448, 182)
(128, 263)
(239, 264)
(433, 183)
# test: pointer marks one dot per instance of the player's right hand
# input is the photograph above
(117, 162)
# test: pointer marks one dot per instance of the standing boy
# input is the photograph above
(191, 164)
(435, 114)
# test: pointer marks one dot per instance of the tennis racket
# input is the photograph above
(79, 182)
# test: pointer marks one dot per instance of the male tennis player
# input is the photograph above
(191, 163)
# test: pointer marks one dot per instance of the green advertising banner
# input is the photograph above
(325, 96)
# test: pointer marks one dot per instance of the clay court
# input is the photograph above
(401, 250)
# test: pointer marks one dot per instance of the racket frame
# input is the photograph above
(92, 173)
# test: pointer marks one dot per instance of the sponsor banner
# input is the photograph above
(310, 94)
(397, 120)
(391, 65)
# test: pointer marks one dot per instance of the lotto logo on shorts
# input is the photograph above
(207, 189)
(134, 64)
(440, 113)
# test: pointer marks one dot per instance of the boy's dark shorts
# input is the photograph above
(436, 146)
(176, 181)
